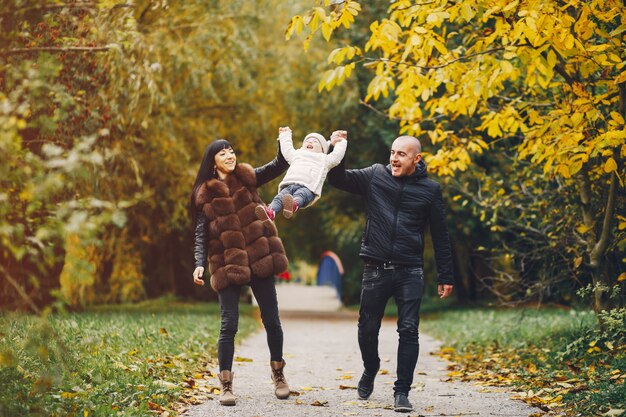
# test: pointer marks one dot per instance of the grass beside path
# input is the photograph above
(559, 359)
(128, 360)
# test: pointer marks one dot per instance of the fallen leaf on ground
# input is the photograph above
(383, 372)
(317, 403)
(372, 404)
(418, 386)
(154, 406)
(165, 384)
(242, 359)
(345, 377)
(346, 387)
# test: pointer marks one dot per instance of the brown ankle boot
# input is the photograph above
(226, 392)
(281, 389)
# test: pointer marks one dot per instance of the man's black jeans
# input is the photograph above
(265, 293)
(406, 286)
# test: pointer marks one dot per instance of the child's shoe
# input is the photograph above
(265, 214)
(289, 206)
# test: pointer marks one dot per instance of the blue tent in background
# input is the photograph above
(330, 271)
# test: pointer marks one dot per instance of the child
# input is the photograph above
(308, 166)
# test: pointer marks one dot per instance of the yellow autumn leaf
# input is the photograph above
(326, 31)
(578, 261)
(622, 277)
(610, 165)
(617, 117)
(620, 78)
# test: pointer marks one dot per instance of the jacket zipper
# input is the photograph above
(395, 220)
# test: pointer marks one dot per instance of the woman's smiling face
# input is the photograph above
(225, 162)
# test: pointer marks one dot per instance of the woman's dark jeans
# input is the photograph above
(406, 286)
(265, 293)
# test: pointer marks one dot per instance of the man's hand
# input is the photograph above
(337, 136)
(284, 129)
(197, 274)
(444, 290)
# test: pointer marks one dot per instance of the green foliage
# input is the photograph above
(559, 360)
(105, 111)
(107, 361)
(532, 94)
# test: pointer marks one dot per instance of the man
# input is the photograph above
(399, 201)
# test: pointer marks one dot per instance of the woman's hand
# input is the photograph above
(197, 274)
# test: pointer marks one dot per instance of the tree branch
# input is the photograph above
(461, 58)
(386, 115)
(603, 242)
(415, 5)
(48, 7)
(19, 289)
(560, 67)
(56, 49)
(584, 184)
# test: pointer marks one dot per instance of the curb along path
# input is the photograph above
(323, 369)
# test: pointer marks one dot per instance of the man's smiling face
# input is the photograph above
(404, 156)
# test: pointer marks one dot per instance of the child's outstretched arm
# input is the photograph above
(339, 140)
(286, 143)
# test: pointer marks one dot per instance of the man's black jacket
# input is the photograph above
(397, 209)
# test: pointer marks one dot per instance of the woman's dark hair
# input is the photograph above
(206, 171)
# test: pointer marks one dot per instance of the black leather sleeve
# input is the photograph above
(200, 238)
(441, 240)
(354, 181)
(272, 169)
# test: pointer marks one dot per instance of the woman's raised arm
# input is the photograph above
(272, 169)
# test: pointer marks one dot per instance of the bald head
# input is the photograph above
(412, 142)
(406, 152)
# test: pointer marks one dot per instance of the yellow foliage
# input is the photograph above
(126, 281)
(78, 276)
(528, 69)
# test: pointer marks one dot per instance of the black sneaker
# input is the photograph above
(366, 385)
(401, 403)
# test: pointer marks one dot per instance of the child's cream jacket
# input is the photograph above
(306, 167)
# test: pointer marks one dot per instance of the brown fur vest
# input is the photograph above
(239, 246)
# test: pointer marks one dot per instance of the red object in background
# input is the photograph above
(285, 276)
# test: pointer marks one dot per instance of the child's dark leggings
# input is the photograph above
(265, 293)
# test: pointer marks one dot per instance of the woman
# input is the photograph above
(240, 250)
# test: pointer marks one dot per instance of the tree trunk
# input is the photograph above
(602, 289)
(597, 244)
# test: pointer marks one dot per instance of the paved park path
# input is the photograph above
(324, 366)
